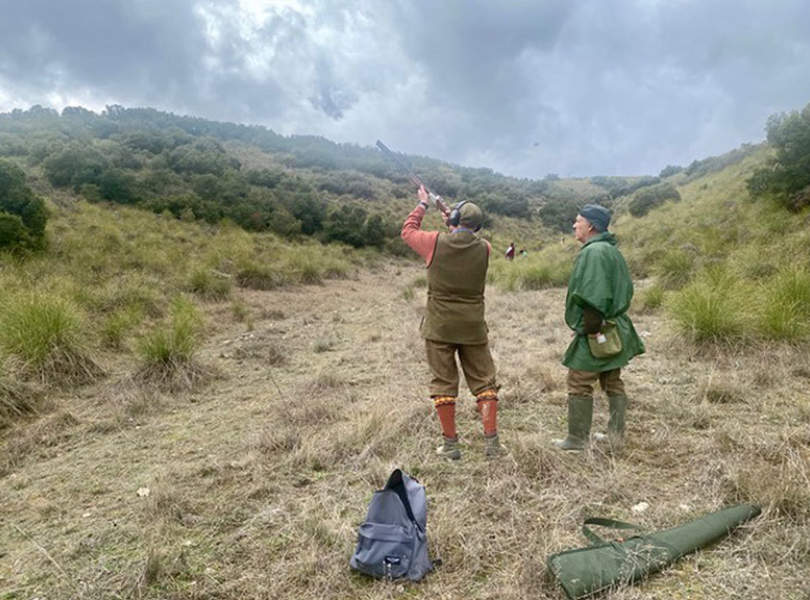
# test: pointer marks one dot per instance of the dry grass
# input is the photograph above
(17, 400)
(258, 481)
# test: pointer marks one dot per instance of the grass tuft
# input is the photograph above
(168, 350)
(651, 298)
(256, 276)
(176, 341)
(713, 308)
(210, 285)
(42, 333)
(117, 325)
(546, 269)
(675, 267)
(17, 400)
(785, 308)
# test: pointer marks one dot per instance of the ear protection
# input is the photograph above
(455, 215)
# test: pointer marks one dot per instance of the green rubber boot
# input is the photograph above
(580, 413)
(449, 449)
(617, 405)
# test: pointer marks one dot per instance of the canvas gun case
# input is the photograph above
(607, 564)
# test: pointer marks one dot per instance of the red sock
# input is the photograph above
(446, 410)
(488, 407)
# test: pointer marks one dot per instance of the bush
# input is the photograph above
(203, 156)
(787, 175)
(646, 199)
(118, 186)
(75, 165)
(22, 214)
(559, 214)
(699, 168)
(12, 231)
(670, 170)
(347, 225)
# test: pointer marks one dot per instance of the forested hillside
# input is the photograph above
(203, 170)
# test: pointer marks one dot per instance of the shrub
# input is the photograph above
(646, 199)
(12, 231)
(670, 170)
(22, 214)
(559, 214)
(75, 165)
(118, 186)
(786, 176)
(347, 225)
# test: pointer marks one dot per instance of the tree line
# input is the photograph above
(311, 186)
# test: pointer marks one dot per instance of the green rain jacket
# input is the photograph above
(600, 279)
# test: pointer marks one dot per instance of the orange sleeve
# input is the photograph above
(423, 242)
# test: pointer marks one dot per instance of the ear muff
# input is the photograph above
(455, 214)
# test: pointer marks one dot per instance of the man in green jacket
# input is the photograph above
(599, 294)
(454, 322)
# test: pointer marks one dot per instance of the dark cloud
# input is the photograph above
(526, 88)
(124, 48)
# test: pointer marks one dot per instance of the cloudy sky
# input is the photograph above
(574, 87)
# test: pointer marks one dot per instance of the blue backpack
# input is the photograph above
(392, 542)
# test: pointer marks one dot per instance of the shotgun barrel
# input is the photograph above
(415, 179)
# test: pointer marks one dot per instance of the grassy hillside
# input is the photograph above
(725, 266)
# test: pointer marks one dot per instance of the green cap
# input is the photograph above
(470, 216)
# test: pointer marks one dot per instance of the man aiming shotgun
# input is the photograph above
(454, 322)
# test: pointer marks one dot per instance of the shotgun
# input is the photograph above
(415, 179)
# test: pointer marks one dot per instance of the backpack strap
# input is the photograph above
(609, 523)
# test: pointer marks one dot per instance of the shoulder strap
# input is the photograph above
(610, 523)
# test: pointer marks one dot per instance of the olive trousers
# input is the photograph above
(476, 363)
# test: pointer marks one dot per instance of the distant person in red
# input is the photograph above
(510, 251)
